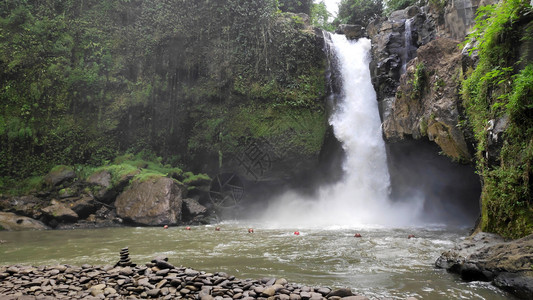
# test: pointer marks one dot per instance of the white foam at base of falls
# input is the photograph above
(360, 199)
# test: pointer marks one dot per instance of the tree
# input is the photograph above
(320, 16)
(358, 11)
(296, 6)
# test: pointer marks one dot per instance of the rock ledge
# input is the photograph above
(488, 257)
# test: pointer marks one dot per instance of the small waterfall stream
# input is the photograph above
(407, 35)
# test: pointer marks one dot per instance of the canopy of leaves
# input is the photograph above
(84, 81)
(358, 11)
(296, 6)
(320, 16)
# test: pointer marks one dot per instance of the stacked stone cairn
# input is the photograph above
(124, 258)
(156, 280)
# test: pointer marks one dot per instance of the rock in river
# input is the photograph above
(155, 201)
(487, 257)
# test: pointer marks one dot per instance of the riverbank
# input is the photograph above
(488, 257)
(158, 279)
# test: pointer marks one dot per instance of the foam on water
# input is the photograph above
(361, 198)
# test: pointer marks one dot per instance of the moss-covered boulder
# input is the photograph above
(58, 175)
(152, 201)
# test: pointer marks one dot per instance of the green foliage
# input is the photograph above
(24, 186)
(144, 166)
(419, 80)
(192, 179)
(498, 88)
(296, 6)
(320, 16)
(358, 11)
(393, 5)
(81, 82)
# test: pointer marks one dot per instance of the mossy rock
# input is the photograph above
(58, 175)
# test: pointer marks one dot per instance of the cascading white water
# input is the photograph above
(407, 36)
(361, 198)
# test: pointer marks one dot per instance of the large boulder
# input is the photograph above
(102, 178)
(11, 221)
(58, 212)
(104, 188)
(59, 175)
(352, 32)
(488, 257)
(427, 103)
(154, 201)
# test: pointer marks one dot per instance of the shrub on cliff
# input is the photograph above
(500, 91)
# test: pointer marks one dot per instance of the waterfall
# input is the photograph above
(361, 198)
(407, 36)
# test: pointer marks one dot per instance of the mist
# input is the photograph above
(361, 197)
(421, 192)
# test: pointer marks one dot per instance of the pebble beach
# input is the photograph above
(157, 279)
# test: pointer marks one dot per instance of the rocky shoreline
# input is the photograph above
(488, 257)
(156, 280)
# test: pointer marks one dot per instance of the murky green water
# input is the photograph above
(383, 263)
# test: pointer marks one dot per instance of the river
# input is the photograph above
(382, 263)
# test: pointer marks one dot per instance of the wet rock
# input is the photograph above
(11, 221)
(352, 32)
(102, 178)
(161, 264)
(488, 257)
(84, 206)
(155, 201)
(431, 109)
(27, 206)
(193, 211)
(516, 284)
(59, 175)
(341, 293)
(59, 212)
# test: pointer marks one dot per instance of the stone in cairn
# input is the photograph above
(125, 258)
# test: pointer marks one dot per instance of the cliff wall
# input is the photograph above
(431, 89)
(224, 86)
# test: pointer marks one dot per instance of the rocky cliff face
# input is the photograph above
(224, 86)
(395, 43)
(427, 100)
(417, 68)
